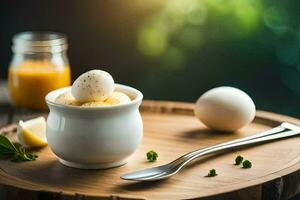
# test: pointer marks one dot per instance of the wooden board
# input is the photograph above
(170, 129)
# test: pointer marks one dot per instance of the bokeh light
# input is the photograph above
(199, 36)
(187, 25)
(276, 19)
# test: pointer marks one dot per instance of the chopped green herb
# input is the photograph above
(238, 160)
(152, 156)
(247, 164)
(14, 152)
(212, 173)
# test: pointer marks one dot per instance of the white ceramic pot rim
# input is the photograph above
(135, 95)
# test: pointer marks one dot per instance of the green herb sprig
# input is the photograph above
(247, 164)
(14, 152)
(238, 160)
(212, 173)
(152, 156)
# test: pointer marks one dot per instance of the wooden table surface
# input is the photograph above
(8, 115)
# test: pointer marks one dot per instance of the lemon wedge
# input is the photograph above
(32, 133)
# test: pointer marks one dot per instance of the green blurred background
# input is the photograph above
(175, 49)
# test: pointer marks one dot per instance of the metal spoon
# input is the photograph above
(164, 171)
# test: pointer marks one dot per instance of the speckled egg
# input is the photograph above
(94, 85)
(225, 109)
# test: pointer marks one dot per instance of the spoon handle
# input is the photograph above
(282, 131)
(275, 130)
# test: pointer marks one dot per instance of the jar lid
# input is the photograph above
(35, 42)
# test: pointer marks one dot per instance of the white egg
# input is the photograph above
(94, 85)
(225, 109)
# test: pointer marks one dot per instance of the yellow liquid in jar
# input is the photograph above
(30, 82)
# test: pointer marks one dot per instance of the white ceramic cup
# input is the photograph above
(94, 137)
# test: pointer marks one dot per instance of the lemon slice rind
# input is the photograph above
(32, 133)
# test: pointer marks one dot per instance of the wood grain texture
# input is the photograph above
(171, 130)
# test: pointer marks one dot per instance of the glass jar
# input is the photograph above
(39, 65)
